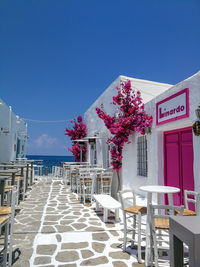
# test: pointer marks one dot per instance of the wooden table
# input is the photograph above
(8, 165)
(21, 166)
(158, 189)
(10, 172)
(2, 186)
(184, 229)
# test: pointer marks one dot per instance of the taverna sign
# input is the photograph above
(173, 108)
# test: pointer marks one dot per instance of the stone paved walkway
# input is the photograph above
(54, 229)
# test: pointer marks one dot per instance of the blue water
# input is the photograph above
(49, 161)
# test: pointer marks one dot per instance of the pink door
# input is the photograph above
(178, 158)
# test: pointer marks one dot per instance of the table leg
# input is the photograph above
(26, 180)
(22, 172)
(194, 255)
(117, 215)
(148, 250)
(176, 251)
(105, 215)
(97, 206)
(31, 181)
(13, 179)
(171, 202)
(2, 186)
(170, 199)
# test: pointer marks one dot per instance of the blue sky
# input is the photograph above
(58, 56)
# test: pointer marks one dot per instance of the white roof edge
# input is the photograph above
(190, 77)
(122, 77)
(175, 85)
(145, 81)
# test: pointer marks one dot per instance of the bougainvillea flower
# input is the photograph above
(78, 131)
(131, 118)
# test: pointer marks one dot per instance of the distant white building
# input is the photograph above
(170, 154)
(13, 135)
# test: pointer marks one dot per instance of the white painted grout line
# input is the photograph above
(41, 225)
(76, 236)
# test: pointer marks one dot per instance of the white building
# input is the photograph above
(13, 135)
(170, 154)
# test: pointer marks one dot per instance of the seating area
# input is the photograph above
(93, 185)
(53, 221)
(135, 212)
(143, 226)
(16, 178)
(86, 180)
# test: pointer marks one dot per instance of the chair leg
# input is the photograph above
(11, 227)
(24, 188)
(4, 263)
(155, 249)
(8, 198)
(133, 234)
(139, 238)
(151, 245)
(125, 232)
(83, 194)
(17, 192)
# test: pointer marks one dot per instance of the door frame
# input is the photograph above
(180, 163)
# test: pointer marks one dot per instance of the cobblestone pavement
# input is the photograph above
(53, 228)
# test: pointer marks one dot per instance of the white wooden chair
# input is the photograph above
(8, 195)
(74, 173)
(66, 175)
(86, 185)
(131, 210)
(191, 197)
(159, 228)
(4, 222)
(104, 182)
(10, 212)
(20, 184)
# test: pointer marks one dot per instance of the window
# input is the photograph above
(142, 156)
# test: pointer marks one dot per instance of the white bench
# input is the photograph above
(107, 203)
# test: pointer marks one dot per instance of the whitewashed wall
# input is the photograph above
(4, 132)
(21, 129)
(148, 91)
(130, 178)
(10, 126)
(155, 140)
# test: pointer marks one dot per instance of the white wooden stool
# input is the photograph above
(107, 203)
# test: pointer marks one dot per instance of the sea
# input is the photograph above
(48, 161)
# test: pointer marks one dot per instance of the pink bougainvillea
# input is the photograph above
(131, 117)
(78, 131)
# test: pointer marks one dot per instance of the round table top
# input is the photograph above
(4, 177)
(12, 165)
(8, 171)
(159, 189)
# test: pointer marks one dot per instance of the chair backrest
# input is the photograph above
(106, 181)
(107, 174)
(127, 198)
(192, 197)
(66, 175)
(165, 211)
(84, 173)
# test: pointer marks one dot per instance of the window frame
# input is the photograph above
(142, 156)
